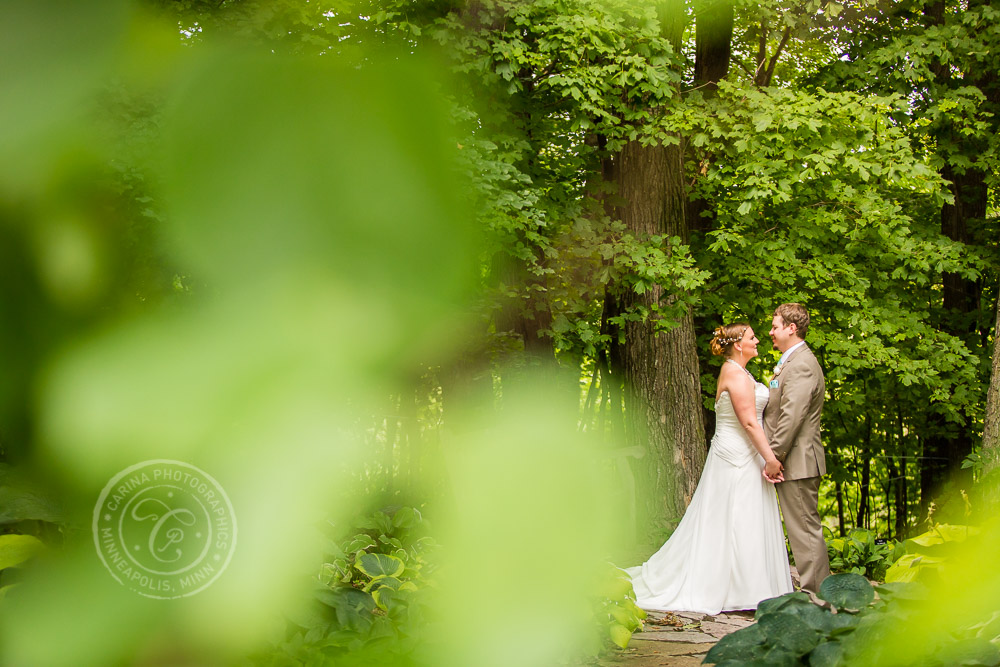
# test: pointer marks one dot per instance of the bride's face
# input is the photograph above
(747, 344)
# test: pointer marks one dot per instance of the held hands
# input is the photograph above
(772, 471)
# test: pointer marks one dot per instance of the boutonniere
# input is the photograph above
(777, 370)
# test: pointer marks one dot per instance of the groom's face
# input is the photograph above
(782, 334)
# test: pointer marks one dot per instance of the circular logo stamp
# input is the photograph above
(165, 529)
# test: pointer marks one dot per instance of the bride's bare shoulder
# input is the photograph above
(727, 377)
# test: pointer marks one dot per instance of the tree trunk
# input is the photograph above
(841, 529)
(523, 315)
(991, 429)
(902, 482)
(713, 42)
(902, 506)
(614, 369)
(866, 474)
(661, 368)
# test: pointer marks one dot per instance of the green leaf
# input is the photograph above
(353, 608)
(743, 645)
(909, 567)
(380, 565)
(775, 604)
(761, 121)
(383, 582)
(21, 501)
(16, 549)
(620, 635)
(816, 618)
(847, 591)
(902, 591)
(941, 534)
(827, 654)
(975, 651)
(789, 631)
(406, 518)
(360, 542)
(384, 596)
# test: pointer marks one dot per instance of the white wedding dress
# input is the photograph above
(728, 552)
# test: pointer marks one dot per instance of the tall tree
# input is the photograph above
(991, 429)
(663, 398)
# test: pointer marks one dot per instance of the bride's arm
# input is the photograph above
(741, 392)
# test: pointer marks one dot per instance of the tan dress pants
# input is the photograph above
(799, 500)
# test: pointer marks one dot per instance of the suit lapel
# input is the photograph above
(795, 352)
(775, 392)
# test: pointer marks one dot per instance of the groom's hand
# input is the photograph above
(772, 471)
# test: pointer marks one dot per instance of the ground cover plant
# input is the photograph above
(371, 602)
(792, 630)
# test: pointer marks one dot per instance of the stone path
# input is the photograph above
(679, 639)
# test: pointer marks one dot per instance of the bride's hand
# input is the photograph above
(773, 471)
(773, 480)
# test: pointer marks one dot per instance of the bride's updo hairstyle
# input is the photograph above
(726, 336)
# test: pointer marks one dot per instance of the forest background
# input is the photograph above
(408, 228)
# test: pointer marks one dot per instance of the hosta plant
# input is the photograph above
(860, 552)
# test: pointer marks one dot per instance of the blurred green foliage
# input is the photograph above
(616, 610)
(926, 553)
(221, 257)
(370, 598)
(373, 600)
(228, 231)
(229, 258)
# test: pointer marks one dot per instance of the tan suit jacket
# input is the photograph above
(792, 415)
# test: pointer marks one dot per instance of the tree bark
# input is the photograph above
(663, 399)
(841, 524)
(614, 369)
(991, 429)
(902, 482)
(866, 475)
(523, 315)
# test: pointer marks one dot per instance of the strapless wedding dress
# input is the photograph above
(728, 552)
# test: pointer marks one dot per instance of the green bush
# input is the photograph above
(368, 605)
(860, 553)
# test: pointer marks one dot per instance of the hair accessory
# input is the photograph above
(729, 340)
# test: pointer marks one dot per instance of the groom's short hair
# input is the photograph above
(794, 313)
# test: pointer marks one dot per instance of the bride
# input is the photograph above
(728, 551)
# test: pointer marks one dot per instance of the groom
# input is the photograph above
(791, 423)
